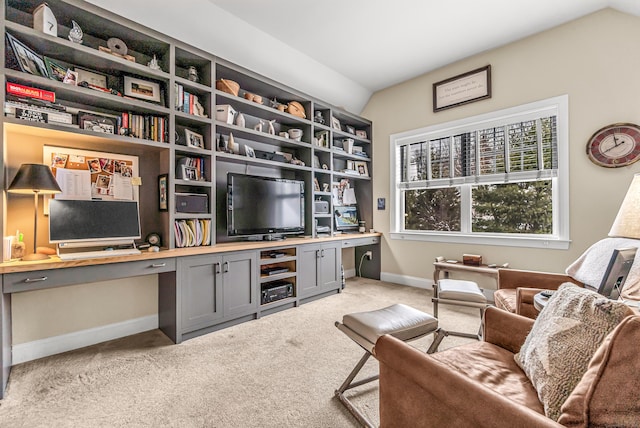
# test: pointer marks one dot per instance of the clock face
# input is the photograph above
(615, 145)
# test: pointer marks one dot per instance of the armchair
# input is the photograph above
(516, 289)
(480, 385)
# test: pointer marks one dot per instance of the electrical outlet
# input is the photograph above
(368, 255)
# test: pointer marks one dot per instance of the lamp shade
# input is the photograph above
(34, 178)
(627, 222)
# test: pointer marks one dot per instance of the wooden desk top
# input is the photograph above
(55, 263)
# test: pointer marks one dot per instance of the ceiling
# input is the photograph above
(342, 51)
(378, 43)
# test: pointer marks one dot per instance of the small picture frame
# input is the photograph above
(55, 69)
(361, 133)
(350, 129)
(95, 123)
(70, 78)
(189, 173)
(362, 168)
(163, 185)
(28, 61)
(194, 139)
(335, 123)
(322, 139)
(249, 152)
(141, 89)
(316, 161)
(91, 77)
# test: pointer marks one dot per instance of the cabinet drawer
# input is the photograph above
(357, 242)
(41, 279)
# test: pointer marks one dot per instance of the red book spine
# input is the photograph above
(27, 91)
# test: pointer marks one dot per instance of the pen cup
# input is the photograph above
(6, 248)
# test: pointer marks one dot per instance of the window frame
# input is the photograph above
(559, 239)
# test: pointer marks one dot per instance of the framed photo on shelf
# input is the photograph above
(350, 129)
(249, 151)
(361, 133)
(194, 139)
(91, 77)
(189, 173)
(142, 89)
(163, 204)
(70, 77)
(335, 123)
(56, 70)
(362, 168)
(28, 60)
(96, 123)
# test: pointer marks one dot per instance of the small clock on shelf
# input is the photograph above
(615, 145)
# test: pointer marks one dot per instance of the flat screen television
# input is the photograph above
(264, 205)
(617, 272)
(72, 221)
(346, 218)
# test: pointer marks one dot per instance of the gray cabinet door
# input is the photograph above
(307, 283)
(239, 273)
(200, 291)
(329, 277)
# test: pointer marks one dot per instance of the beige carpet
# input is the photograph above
(278, 371)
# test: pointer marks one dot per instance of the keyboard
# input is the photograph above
(100, 253)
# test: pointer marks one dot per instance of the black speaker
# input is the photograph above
(193, 203)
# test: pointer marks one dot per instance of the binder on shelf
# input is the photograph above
(192, 232)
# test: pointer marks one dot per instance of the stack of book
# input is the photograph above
(192, 232)
(35, 105)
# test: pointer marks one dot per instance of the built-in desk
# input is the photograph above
(187, 276)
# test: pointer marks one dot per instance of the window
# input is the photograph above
(499, 178)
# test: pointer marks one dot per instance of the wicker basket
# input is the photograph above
(228, 86)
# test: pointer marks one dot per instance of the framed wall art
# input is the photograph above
(462, 89)
(28, 61)
(163, 202)
(194, 139)
(142, 89)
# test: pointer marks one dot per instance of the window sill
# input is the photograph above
(505, 240)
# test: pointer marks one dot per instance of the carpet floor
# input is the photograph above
(277, 371)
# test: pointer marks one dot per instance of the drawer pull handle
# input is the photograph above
(42, 278)
(158, 265)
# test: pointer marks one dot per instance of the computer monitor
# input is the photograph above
(92, 220)
(346, 218)
(617, 271)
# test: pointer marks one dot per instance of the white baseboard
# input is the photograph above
(350, 273)
(412, 281)
(78, 339)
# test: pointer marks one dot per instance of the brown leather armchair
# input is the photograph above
(480, 385)
(516, 289)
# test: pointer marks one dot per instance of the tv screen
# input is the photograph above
(264, 205)
(84, 221)
(346, 217)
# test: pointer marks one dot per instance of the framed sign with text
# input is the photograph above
(462, 89)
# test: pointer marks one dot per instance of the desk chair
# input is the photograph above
(364, 328)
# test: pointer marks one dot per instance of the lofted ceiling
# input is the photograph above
(342, 51)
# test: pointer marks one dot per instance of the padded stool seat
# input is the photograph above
(462, 293)
(364, 328)
(400, 321)
(458, 289)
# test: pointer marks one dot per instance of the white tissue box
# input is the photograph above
(225, 113)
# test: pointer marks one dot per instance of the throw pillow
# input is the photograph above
(564, 337)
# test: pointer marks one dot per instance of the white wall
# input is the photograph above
(594, 60)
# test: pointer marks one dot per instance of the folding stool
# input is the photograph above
(364, 328)
(461, 293)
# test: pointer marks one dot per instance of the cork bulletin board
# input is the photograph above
(87, 174)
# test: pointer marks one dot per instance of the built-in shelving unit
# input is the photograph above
(185, 140)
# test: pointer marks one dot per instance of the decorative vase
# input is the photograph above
(75, 35)
(153, 64)
(193, 74)
(240, 120)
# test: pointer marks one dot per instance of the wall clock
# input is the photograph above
(615, 145)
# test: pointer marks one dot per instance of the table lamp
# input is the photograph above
(34, 179)
(627, 222)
